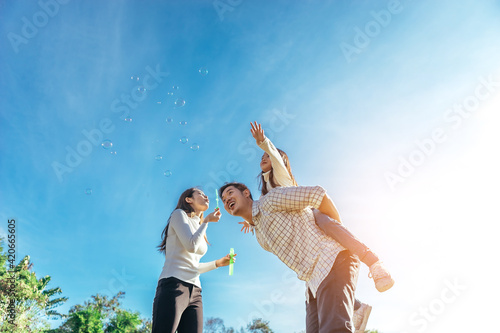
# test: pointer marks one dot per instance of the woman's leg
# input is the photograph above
(171, 299)
(192, 318)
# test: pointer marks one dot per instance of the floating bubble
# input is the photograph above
(158, 157)
(170, 93)
(88, 191)
(175, 87)
(184, 140)
(169, 120)
(113, 152)
(203, 71)
(180, 102)
(158, 102)
(134, 78)
(128, 120)
(141, 89)
(183, 122)
(107, 144)
(195, 147)
(167, 173)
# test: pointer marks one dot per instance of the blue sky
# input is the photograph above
(391, 106)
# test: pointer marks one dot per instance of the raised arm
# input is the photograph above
(279, 169)
(191, 241)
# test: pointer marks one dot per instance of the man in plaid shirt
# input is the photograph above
(284, 225)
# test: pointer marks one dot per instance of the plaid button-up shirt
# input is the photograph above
(285, 225)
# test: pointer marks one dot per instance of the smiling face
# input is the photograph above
(265, 163)
(198, 201)
(236, 201)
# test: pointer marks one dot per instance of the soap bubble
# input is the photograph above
(183, 122)
(203, 71)
(113, 152)
(128, 120)
(184, 140)
(158, 157)
(134, 78)
(169, 120)
(167, 173)
(195, 147)
(88, 191)
(175, 87)
(107, 144)
(170, 93)
(180, 102)
(141, 89)
(158, 102)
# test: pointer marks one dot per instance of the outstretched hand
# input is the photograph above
(224, 261)
(246, 226)
(257, 132)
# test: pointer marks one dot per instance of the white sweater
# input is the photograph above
(184, 248)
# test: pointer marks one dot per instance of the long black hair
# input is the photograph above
(185, 206)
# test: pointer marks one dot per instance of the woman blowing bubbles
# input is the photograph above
(178, 305)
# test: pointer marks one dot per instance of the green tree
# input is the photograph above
(87, 320)
(123, 322)
(146, 326)
(214, 325)
(259, 326)
(32, 302)
(103, 315)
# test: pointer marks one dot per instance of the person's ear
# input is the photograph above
(189, 200)
(246, 193)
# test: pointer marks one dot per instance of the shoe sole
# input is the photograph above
(384, 284)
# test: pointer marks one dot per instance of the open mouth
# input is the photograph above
(231, 204)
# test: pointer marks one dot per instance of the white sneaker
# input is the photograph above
(360, 318)
(381, 277)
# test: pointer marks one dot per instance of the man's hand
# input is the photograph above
(246, 226)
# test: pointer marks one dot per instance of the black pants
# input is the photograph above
(332, 309)
(177, 307)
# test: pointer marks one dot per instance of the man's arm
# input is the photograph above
(294, 198)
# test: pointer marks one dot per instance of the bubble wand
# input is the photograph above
(231, 261)
(217, 198)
